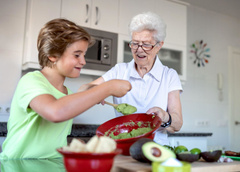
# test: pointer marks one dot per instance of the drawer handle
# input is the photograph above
(237, 122)
(87, 13)
(97, 16)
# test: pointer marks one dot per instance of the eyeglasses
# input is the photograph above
(146, 47)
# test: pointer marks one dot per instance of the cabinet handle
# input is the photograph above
(87, 13)
(237, 122)
(97, 16)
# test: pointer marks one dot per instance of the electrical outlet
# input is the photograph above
(4, 110)
(222, 123)
(202, 123)
(7, 110)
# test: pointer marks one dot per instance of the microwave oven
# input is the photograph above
(103, 54)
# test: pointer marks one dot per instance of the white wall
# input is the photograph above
(200, 98)
(12, 18)
(97, 114)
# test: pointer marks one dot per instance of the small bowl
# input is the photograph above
(157, 166)
(88, 162)
(211, 156)
(188, 157)
(118, 125)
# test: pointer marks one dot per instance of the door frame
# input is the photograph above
(231, 51)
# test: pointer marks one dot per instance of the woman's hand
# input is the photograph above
(159, 112)
(174, 109)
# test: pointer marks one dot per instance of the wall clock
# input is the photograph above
(200, 52)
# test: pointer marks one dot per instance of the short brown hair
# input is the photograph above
(55, 36)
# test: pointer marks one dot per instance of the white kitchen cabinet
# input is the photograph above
(96, 14)
(175, 17)
(128, 9)
(173, 53)
(174, 56)
(38, 13)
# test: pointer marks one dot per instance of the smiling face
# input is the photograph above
(72, 60)
(144, 60)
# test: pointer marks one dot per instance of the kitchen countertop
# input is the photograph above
(128, 164)
(121, 164)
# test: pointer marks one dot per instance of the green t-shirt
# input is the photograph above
(30, 135)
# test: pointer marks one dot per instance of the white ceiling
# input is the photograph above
(227, 7)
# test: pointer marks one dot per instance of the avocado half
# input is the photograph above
(211, 156)
(188, 157)
(155, 152)
(146, 150)
(136, 150)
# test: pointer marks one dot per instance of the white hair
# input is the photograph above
(149, 21)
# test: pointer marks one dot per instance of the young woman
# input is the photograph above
(42, 107)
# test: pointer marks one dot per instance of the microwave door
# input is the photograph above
(93, 54)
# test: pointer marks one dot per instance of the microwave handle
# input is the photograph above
(87, 13)
(97, 16)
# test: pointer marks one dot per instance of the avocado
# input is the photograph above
(155, 152)
(211, 156)
(188, 157)
(136, 149)
(146, 150)
(126, 109)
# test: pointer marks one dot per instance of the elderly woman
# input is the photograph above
(155, 87)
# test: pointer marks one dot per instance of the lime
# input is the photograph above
(195, 151)
(180, 149)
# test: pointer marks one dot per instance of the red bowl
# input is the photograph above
(88, 162)
(118, 125)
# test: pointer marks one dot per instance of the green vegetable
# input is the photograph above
(180, 149)
(195, 151)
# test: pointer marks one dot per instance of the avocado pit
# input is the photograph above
(156, 152)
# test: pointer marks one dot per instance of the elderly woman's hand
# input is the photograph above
(159, 112)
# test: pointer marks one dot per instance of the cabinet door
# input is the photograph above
(78, 11)
(124, 52)
(105, 15)
(128, 9)
(175, 16)
(174, 56)
(38, 13)
(102, 15)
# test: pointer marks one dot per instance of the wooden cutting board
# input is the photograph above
(128, 164)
